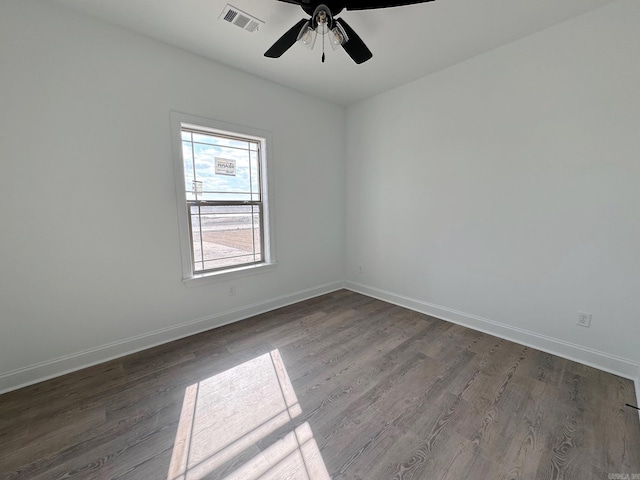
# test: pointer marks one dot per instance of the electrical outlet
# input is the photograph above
(584, 319)
(232, 290)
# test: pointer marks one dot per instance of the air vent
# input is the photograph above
(242, 19)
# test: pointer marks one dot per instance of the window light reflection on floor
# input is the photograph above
(226, 414)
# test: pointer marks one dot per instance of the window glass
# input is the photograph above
(224, 199)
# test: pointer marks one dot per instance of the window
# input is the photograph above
(223, 210)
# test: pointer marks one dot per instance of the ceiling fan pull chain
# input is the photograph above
(322, 48)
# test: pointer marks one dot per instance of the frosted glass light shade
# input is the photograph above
(337, 36)
(307, 36)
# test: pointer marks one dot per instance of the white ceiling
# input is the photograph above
(407, 42)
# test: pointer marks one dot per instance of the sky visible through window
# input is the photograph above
(200, 152)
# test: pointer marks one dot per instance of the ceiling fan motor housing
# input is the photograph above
(322, 16)
(334, 8)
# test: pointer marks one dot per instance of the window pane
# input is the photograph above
(226, 235)
(204, 165)
(255, 173)
(257, 232)
(229, 262)
(232, 178)
(195, 228)
(232, 197)
(188, 165)
(221, 141)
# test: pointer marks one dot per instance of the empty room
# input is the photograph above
(294, 239)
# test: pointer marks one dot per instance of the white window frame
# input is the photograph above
(180, 120)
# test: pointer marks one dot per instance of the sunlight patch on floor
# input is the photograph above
(224, 415)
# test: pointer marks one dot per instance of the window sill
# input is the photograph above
(226, 275)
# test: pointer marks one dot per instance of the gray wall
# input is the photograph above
(90, 255)
(504, 192)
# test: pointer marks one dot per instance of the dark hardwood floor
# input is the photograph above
(341, 386)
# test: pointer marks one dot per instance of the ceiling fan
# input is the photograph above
(323, 21)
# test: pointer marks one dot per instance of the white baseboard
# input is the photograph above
(594, 358)
(31, 374)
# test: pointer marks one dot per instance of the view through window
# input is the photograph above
(223, 187)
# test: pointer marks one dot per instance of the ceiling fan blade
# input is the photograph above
(295, 2)
(286, 41)
(354, 47)
(371, 4)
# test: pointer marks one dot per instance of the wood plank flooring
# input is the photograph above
(341, 386)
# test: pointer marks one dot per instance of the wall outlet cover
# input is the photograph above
(584, 319)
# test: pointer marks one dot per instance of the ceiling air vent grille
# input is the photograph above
(242, 19)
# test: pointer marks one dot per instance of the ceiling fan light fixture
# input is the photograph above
(337, 36)
(323, 22)
(307, 35)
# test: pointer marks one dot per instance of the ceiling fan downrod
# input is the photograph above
(323, 21)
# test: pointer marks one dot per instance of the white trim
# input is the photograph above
(209, 278)
(59, 366)
(587, 356)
